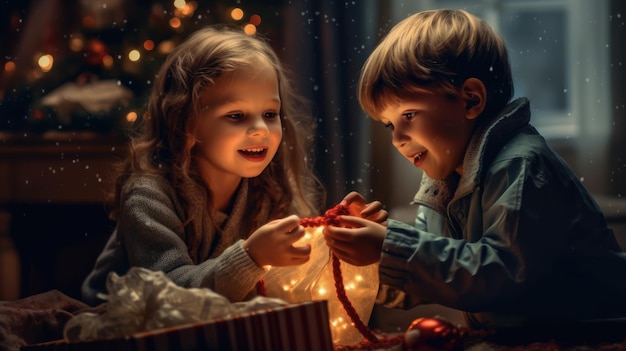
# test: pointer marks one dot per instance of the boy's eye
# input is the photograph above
(389, 126)
(408, 115)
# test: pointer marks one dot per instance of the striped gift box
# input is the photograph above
(302, 327)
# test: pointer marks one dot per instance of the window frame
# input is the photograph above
(587, 112)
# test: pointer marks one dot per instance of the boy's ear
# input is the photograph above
(475, 95)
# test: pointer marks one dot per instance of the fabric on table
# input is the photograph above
(38, 318)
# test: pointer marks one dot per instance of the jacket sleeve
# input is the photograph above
(151, 232)
(515, 227)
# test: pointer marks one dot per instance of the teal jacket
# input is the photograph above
(516, 239)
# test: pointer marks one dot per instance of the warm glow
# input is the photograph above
(193, 5)
(88, 22)
(179, 3)
(324, 287)
(236, 14)
(255, 19)
(131, 116)
(77, 43)
(148, 45)
(45, 62)
(339, 323)
(186, 11)
(175, 22)
(134, 55)
(249, 28)
(107, 61)
(9, 67)
(165, 47)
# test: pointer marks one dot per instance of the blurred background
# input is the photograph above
(74, 76)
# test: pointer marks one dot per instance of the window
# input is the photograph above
(558, 49)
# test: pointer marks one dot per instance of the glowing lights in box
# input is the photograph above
(315, 281)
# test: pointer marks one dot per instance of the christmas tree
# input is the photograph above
(90, 65)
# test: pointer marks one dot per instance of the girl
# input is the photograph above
(223, 150)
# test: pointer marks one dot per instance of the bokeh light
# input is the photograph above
(9, 67)
(165, 47)
(107, 61)
(236, 14)
(175, 22)
(77, 43)
(131, 116)
(255, 19)
(249, 29)
(148, 45)
(45, 62)
(134, 55)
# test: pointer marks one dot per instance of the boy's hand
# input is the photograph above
(374, 211)
(359, 242)
(272, 244)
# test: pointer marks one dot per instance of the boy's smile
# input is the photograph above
(418, 159)
(431, 130)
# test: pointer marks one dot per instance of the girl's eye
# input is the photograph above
(389, 126)
(270, 115)
(235, 116)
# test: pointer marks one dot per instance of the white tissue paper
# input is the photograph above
(143, 300)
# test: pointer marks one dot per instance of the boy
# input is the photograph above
(505, 231)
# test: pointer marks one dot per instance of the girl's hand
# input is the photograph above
(359, 242)
(272, 244)
(374, 211)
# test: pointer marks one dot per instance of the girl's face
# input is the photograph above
(239, 128)
(431, 131)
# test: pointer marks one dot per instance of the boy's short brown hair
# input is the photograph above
(436, 50)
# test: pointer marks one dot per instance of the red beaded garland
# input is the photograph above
(330, 217)
(370, 342)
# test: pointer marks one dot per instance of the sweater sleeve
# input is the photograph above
(151, 231)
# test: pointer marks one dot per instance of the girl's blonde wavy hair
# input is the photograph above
(164, 143)
(436, 50)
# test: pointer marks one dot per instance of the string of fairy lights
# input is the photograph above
(130, 56)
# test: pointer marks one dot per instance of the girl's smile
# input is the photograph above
(256, 154)
(239, 129)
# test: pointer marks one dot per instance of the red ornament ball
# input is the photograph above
(432, 334)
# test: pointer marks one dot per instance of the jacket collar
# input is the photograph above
(486, 142)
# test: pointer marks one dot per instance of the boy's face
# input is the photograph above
(239, 130)
(431, 130)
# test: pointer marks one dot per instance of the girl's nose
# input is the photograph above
(258, 126)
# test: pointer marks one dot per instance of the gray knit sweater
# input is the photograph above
(149, 234)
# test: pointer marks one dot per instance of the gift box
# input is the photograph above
(301, 326)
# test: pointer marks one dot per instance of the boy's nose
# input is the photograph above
(398, 139)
